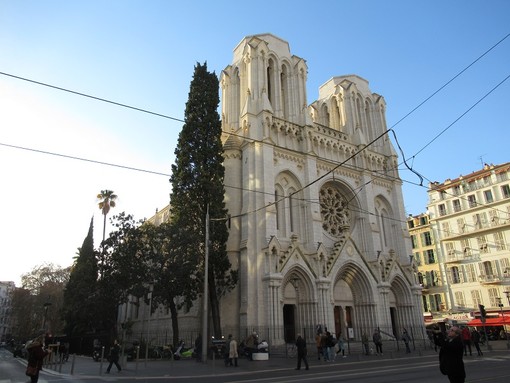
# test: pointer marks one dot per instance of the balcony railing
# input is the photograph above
(490, 278)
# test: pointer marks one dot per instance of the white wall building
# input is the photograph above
(318, 230)
(471, 216)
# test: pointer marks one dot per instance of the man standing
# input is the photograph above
(466, 339)
(301, 352)
(406, 338)
(450, 356)
(377, 339)
(232, 351)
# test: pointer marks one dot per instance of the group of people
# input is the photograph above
(326, 342)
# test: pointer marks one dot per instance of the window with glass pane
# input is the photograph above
(431, 257)
(505, 190)
(488, 196)
(456, 205)
(426, 239)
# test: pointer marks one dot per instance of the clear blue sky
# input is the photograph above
(142, 53)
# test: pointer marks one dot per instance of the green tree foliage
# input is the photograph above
(26, 319)
(125, 269)
(175, 284)
(42, 287)
(197, 182)
(80, 294)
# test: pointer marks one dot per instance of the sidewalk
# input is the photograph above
(84, 366)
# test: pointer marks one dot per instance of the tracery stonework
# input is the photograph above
(335, 216)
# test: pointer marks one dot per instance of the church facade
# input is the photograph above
(317, 229)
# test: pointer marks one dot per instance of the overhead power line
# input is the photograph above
(83, 159)
(92, 97)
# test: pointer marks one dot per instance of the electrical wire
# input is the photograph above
(295, 192)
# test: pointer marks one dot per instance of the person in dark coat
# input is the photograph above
(114, 357)
(301, 352)
(36, 355)
(475, 337)
(451, 356)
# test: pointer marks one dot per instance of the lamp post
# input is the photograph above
(205, 339)
(149, 295)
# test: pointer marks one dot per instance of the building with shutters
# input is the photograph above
(470, 217)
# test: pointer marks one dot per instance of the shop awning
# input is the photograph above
(499, 321)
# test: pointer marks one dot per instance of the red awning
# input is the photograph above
(490, 322)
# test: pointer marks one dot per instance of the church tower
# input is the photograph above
(317, 229)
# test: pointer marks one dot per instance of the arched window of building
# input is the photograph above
(455, 275)
(270, 82)
(290, 209)
(280, 208)
(358, 112)
(368, 119)
(324, 115)
(384, 220)
(284, 84)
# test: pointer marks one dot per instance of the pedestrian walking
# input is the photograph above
(377, 339)
(198, 348)
(406, 339)
(114, 357)
(324, 346)
(226, 351)
(232, 353)
(318, 344)
(475, 337)
(364, 342)
(341, 345)
(301, 352)
(450, 356)
(330, 346)
(466, 340)
(36, 355)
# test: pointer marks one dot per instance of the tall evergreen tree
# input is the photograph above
(197, 182)
(79, 294)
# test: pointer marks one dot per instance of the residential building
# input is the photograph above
(471, 218)
(6, 291)
(427, 259)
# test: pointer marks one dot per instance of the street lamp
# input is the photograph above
(149, 295)
(205, 339)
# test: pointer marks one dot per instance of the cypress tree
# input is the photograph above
(79, 294)
(197, 182)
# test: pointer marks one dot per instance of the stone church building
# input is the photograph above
(318, 229)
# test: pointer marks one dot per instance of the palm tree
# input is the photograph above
(106, 201)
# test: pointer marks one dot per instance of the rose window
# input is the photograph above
(335, 216)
